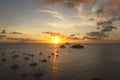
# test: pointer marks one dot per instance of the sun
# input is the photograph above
(56, 40)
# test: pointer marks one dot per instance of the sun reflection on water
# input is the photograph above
(55, 68)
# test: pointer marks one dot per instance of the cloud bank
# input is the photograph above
(5, 35)
(68, 3)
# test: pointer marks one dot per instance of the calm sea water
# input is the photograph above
(94, 61)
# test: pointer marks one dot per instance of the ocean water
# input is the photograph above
(101, 61)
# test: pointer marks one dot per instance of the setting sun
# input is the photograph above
(56, 40)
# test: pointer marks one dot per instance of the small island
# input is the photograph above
(77, 46)
(67, 43)
(62, 46)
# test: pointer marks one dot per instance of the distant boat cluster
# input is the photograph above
(29, 57)
(15, 66)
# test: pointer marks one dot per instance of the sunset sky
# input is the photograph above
(40, 21)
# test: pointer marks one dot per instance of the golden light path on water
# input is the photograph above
(55, 61)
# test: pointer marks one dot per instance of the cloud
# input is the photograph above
(68, 3)
(90, 38)
(4, 31)
(6, 37)
(98, 9)
(101, 34)
(73, 38)
(20, 39)
(95, 35)
(113, 11)
(104, 23)
(54, 34)
(16, 33)
(72, 35)
(2, 36)
(107, 28)
(115, 18)
(55, 14)
(5, 34)
(102, 8)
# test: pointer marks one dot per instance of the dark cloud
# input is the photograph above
(101, 23)
(101, 34)
(91, 38)
(104, 27)
(115, 18)
(69, 3)
(107, 28)
(98, 9)
(95, 35)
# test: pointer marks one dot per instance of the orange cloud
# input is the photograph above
(69, 3)
(112, 11)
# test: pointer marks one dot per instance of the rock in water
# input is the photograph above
(78, 46)
(62, 46)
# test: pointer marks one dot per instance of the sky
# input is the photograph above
(75, 21)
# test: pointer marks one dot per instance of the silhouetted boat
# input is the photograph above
(24, 74)
(49, 56)
(44, 60)
(26, 58)
(23, 53)
(33, 64)
(3, 59)
(15, 66)
(57, 51)
(96, 79)
(40, 53)
(57, 55)
(38, 74)
(52, 53)
(2, 53)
